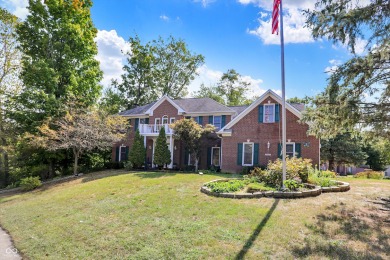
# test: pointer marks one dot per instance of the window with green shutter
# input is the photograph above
(277, 113)
(260, 113)
(256, 154)
(239, 154)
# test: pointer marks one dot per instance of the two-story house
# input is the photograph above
(247, 135)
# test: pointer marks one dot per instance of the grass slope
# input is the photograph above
(118, 215)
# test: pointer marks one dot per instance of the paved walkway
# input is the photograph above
(7, 249)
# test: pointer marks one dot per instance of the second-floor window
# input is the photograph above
(269, 113)
(165, 120)
(217, 122)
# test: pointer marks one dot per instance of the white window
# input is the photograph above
(171, 120)
(247, 154)
(196, 119)
(217, 122)
(290, 150)
(122, 153)
(165, 120)
(269, 113)
(142, 120)
(215, 156)
(157, 121)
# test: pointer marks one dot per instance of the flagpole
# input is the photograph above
(283, 95)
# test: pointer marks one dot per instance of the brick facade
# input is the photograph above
(249, 129)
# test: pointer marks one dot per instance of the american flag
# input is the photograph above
(275, 17)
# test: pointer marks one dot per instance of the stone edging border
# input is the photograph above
(316, 191)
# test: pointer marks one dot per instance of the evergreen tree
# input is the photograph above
(137, 151)
(162, 155)
(358, 91)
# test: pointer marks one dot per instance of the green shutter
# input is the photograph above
(200, 120)
(147, 121)
(136, 124)
(298, 150)
(239, 154)
(127, 154)
(117, 154)
(280, 151)
(277, 113)
(186, 156)
(208, 156)
(261, 113)
(223, 123)
(256, 154)
(211, 120)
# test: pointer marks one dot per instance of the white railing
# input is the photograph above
(154, 129)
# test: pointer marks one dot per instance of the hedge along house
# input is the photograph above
(248, 135)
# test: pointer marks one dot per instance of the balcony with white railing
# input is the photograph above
(149, 129)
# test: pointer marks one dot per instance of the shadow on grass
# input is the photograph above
(346, 234)
(248, 244)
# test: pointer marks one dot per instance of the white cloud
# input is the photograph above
(209, 77)
(17, 7)
(164, 17)
(334, 64)
(293, 22)
(204, 3)
(111, 49)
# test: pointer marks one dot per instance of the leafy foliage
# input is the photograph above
(321, 178)
(157, 68)
(59, 60)
(80, 132)
(343, 105)
(30, 183)
(191, 134)
(226, 186)
(370, 175)
(292, 185)
(258, 186)
(162, 155)
(343, 149)
(137, 151)
(231, 90)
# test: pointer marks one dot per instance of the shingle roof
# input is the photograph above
(201, 105)
(300, 107)
(137, 110)
(238, 109)
(189, 105)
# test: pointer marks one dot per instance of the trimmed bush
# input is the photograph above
(226, 186)
(370, 175)
(30, 183)
(328, 174)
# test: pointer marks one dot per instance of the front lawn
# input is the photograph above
(116, 215)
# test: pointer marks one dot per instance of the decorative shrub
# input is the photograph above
(316, 178)
(258, 186)
(370, 175)
(292, 185)
(128, 165)
(227, 186)
(328, 174)
(30, 183)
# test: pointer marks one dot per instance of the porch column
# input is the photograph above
(145, 141)
(171, 149)
(153, 153)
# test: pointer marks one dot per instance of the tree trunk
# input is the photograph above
(5, 162)
(196, 164)
(76, 154)
(331, 164)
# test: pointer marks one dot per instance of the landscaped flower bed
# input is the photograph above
(302, 181)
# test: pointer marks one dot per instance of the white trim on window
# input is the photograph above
(219, 155)
(171, 120)
(120, 152)
(243, 153)
(273, 119)
(293, 144)
(163, 119)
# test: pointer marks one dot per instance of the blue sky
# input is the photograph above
(231, 34)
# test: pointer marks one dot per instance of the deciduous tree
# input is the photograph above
(358, 92)
(59, 60)
(9, 86)
(191, 134)
(80, 132)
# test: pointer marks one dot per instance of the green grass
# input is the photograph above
(119, 215)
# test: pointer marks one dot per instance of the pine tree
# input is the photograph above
(162, 155)
(137, 151)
